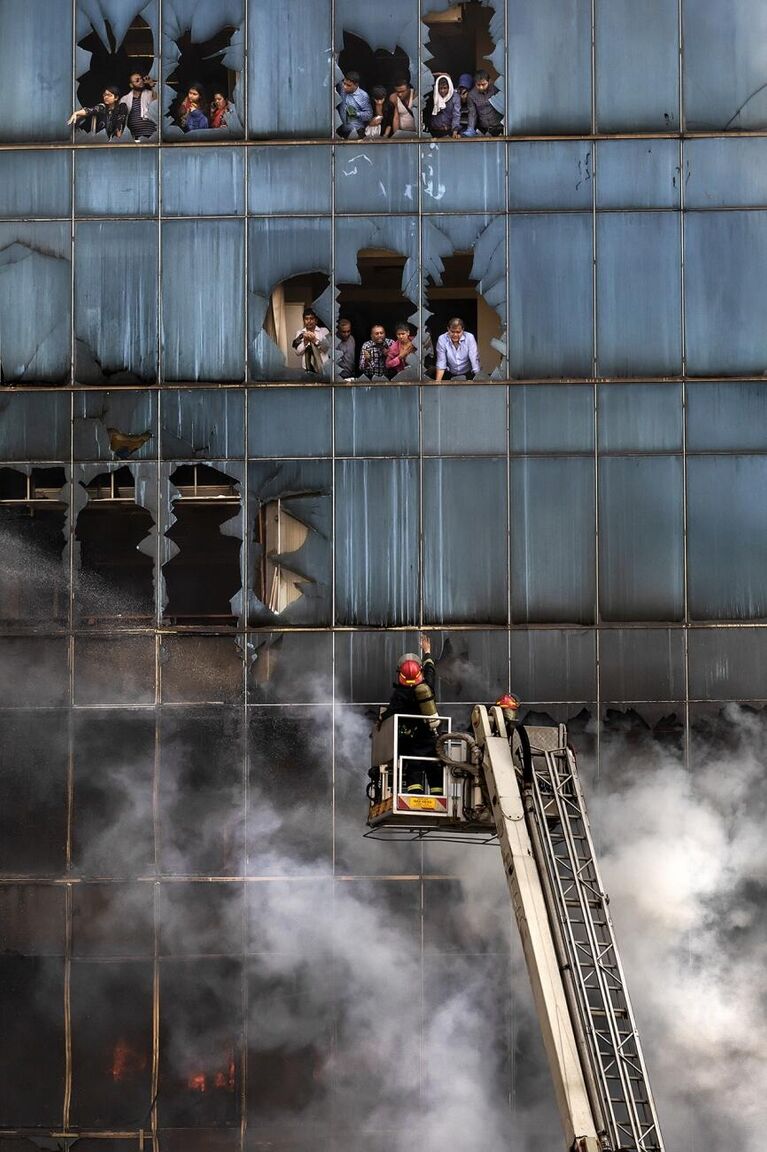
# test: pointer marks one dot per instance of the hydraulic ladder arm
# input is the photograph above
(591, 1041)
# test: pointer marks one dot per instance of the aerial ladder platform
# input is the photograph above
(518, 785)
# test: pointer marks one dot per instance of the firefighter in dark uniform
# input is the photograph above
(414, 693)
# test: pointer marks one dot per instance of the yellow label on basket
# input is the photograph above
(420, 803)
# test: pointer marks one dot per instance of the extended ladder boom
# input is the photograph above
(600, 1079)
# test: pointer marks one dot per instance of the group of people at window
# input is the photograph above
(452, 109)
(381, 356)
(136, 111)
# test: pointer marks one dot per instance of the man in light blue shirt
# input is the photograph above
(457, 352)
(355, 108)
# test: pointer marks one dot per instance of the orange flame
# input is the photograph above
(197, 1082)
(126, 1061)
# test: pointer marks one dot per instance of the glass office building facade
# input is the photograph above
(212, 561)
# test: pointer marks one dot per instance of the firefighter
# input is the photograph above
(414, 692)
(509, 705)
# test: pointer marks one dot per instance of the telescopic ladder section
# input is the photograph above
(564, 849)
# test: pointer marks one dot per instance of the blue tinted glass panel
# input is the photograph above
(550, 260)
(202, 294)
(35, 274)
(551, 175)
(34, 426)
(455, 586)
(469, 419)
(288, 267)
(637, 65)
(638, 174)
(731, 415)
(203, 182)
(377, 421)
(289, 180)
(105, 424)
(35, 184)
(726, 173)
(725, 258)
(289, 422)
(36, 52)
(728, 663)
(303, 108)
(115, 330)
(203, 423)
(371, 177)
(639, 328)
(549, 665)
(552, 418)
(641, 417)
(641, 664)
(478, 186)
(724, 64)
(727, 537)
(549, 66)
(552, 541)
(376, 534)
(640, 538)
(116, 182)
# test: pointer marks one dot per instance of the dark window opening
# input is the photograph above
(457, 295)
(201, 64)
(459, 42)
(378, 300)
(32, 1021)
(203, 578)
(633, 729)
(33, 585)
(377, 67)
(284, 317)
(115, 579)
(113, 63)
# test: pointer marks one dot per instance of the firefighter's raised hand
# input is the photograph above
(425, 644)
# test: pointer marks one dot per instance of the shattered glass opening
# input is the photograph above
(112, 60)
(376, 67)
(284, 319)
(203, 576)
(376, 299)
(459, 40)
(32, 537)
(201, 63)
(115, 578)
(457, 295)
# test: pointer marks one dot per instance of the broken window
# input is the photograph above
(382, 51)
(202, 300)
(461, 39)
(466, 278)
(115, 545)
(116, 274)
(114, 40)
(292, 255)
(35, 40)
(115, 425)
(35, 272)
(33, 579)
(290, 551)
(284, 323)
(203, 48)
(202, 576)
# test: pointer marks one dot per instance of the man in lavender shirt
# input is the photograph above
(457, 353)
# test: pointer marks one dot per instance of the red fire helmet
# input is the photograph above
(410, 673)
(508, 700)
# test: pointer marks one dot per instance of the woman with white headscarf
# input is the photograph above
(440, 119)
